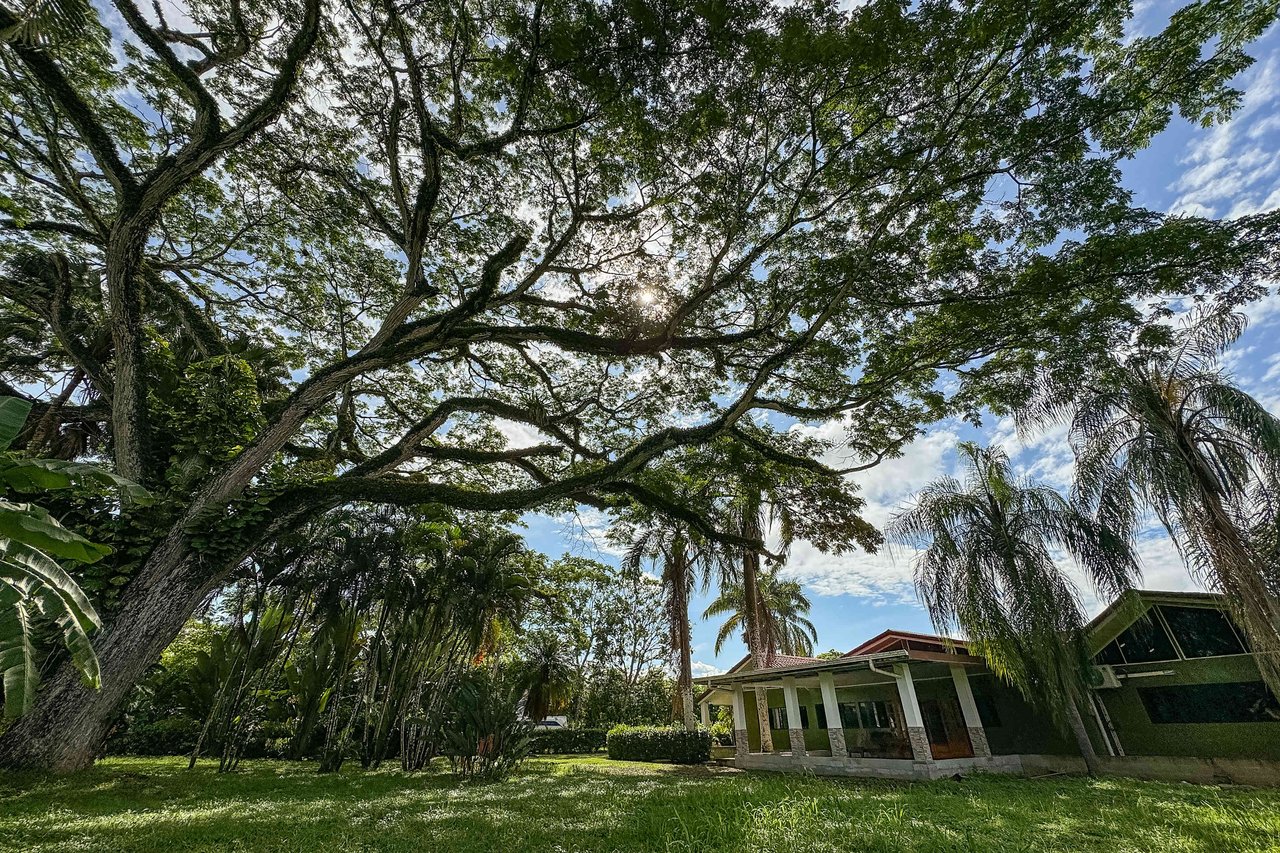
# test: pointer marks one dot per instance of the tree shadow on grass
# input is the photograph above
(592, 804)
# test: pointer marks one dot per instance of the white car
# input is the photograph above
(553, 723)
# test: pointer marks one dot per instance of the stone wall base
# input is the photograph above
(740, 746)
(839, 749)
(796, 736)
(978, 740)
(919, 744)
(881, 768)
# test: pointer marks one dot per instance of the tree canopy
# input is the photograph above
(497, 255)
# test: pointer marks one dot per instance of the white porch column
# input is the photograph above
(831, 708)
(911, 710)
(705, 708)
(968, 707)
(740, 745)
(795, 732)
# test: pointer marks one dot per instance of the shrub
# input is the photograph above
(568, 741)
(167, 736)
(484, 736)
(654, 743)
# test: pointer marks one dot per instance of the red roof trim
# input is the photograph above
(888, 638)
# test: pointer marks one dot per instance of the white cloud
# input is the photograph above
(884, 577)
(888, 485)
(1232, 168)
(702, 668)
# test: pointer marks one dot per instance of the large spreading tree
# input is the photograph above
(272, 258)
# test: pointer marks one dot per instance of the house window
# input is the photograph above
(1202, 632)
(875, 715)
(870, 714)
(778, 718)
(1145, 641)
(822, 716)
(1232, 702)
(1110, 654)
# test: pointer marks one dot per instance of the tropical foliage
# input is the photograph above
(987, 567)
(33, 586)
(1162, 427)
(782, 609)
(350, 639)
(485, 737)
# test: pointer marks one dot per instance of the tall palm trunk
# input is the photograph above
(761, 655)
(678, 606)
(1234, 566)
(1076, 723)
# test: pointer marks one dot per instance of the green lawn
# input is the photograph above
(595, 804)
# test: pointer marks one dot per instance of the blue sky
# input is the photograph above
(1226, 171)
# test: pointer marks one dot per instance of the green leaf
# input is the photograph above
(13, 414)
(17, 655)
(46, 21)
(32, 572)
(30, 578)
(37, 475)
(35, 527)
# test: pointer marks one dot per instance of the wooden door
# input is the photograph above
(944, 726)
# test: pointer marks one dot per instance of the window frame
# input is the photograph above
(1173, 635)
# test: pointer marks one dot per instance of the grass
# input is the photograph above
(591, 803)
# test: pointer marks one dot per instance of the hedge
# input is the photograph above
(655, 743)
(568, 741)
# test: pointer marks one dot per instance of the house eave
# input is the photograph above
(835, 665)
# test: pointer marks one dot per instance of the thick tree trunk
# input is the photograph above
(66, 729)
(1076, 722)
(129, 394)
(69, 723)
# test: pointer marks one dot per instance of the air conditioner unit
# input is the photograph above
(1104, 678)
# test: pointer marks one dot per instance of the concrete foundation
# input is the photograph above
(879, 768)
(1165, 768)
(1238, 771)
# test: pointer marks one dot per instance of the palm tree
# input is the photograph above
(796, 502)
(987, 569)
(666, 542)
(1163, 427)
(684, 558)
(547, 674)
(782, 608)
